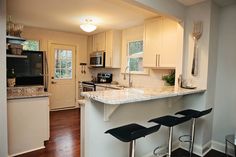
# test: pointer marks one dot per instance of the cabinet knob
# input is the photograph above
(53, 82)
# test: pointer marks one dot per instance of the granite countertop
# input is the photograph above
(34, 95)
(129, 95)
(109, 85)
(24, 92)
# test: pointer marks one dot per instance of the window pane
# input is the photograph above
(62, 54)
(69, 64)
(63, 73)
(69, 54)
(69, 73)
(136, 64)
(135, 47)
(31, 45)
(63, 64)
(58, 64)
(58, 73)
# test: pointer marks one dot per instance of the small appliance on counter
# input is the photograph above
(101, 78)
(104, 78)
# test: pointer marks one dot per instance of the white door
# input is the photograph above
(62, 76)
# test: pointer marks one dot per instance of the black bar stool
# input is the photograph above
(169, 121)
(193, 114)
(131, 132)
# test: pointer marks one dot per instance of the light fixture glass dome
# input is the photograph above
(87, 26)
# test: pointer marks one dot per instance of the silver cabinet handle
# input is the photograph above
(159, 60)
(156, 60)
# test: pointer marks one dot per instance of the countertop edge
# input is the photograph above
(46, 94)
(181, 92)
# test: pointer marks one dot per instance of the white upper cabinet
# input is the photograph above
(110, 43)
(113, 49)
(160, 43)
(99, 42)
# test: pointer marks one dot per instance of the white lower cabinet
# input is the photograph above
(28, 124)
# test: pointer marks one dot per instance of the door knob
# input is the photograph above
(53, 82)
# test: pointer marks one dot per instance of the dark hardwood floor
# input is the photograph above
(65, 138)
(183, 153)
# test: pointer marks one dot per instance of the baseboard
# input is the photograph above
(197, 149)
(221, 147)
(162, 150)
(67, 108)
(24, 152)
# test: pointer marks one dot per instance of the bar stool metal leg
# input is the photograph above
(226, 148)
(192, 137)
(170, 141)
(132, 149)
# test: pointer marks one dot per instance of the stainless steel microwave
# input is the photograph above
(97, 59)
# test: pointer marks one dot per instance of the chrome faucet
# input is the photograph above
(130, 82)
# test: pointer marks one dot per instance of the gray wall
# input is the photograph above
(225, 95)
(3, 107)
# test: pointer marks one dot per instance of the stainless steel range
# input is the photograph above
(87, 86)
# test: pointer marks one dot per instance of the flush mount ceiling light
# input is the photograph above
(88, 26)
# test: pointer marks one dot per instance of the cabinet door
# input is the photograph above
(113, 48)
(99, 42)
(152, 42)
(89, 47)
(27, 118)
(168, 53)
(109, 48)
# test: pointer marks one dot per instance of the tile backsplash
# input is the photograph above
(151, 80)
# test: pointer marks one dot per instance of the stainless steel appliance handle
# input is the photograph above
(46, 76)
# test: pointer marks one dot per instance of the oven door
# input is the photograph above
(87, 88)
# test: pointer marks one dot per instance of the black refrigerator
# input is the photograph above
(30, 68)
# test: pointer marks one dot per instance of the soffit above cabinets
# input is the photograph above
(219, 2)
(64, 15)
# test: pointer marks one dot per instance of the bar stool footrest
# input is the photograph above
(155, 151)
(183, 136)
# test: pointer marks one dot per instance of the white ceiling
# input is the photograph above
(64, 15)
(219, 2)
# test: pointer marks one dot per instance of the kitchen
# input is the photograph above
(146, 81)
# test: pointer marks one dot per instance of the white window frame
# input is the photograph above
(138, 55)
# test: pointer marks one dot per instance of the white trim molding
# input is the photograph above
(221, 147)
(197, 149)
(12, 155)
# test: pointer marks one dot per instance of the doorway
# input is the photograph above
(62, 73)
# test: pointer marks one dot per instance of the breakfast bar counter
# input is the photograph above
(130, 95)
(108, 109)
